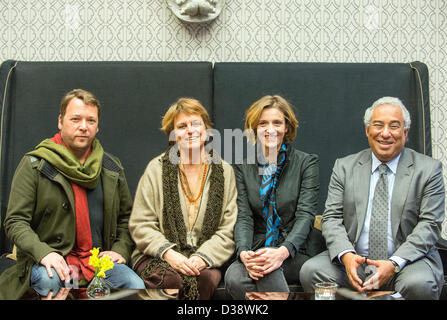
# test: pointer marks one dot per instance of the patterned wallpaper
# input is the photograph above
(255, 30)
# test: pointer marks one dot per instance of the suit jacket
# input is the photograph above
(296, 201)
(417, 207)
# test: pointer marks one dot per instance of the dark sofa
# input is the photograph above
(329, 99)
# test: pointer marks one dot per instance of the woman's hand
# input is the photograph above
(180, 263)
(253, 263)
(198, 262)
(273, 258)
(263, 261)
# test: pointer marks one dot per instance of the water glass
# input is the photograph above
(325, 291)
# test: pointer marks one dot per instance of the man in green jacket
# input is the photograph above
(68, 196)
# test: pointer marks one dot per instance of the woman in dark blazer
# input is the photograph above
(277, 200)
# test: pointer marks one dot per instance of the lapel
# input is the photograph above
(109, 181)
(59, 178)
(51, 173)
(253, 188)
(362, 176)
(400, 190)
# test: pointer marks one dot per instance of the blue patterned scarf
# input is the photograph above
(269, 183)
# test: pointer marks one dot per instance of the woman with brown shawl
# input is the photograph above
(184, 209)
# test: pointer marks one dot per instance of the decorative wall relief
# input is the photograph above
(196, 11)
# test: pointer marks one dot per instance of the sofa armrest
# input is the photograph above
(13, 255)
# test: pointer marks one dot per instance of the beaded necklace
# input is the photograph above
(201, 186)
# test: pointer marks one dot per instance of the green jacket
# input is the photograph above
(40, 218)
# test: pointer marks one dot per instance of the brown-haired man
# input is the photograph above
(68, 196)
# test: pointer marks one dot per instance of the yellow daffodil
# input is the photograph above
(94, 261)
(105, 263)
(95, 252)
(101, 265)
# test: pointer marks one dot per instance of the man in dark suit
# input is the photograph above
(412, 189)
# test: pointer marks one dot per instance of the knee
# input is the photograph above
(418, 289)
(121, 276)
(41, 281)
(307, 274)
(207, 283)
(135, 282)
(235, 285)
(47, 282)
(210, 277)
(229, 279)
(232, 276)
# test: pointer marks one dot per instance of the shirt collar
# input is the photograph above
(392, 165)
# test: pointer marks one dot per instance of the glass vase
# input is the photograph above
(98, 288)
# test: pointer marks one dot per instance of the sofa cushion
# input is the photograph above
(134, 96)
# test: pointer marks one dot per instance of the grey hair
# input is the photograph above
(388, 100)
